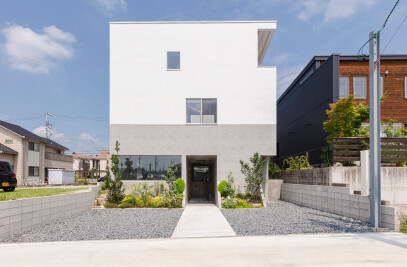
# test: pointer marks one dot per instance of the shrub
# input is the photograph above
(129, 199)
(139, 202)
(179, 186)
(242, 204)
(240, 196)
(229, 204)
(155, 202)
(125, 205)
(109, 205)
(274, 169)
(146, 191)
(104, 186)
(135, 190)
(223, 188)
(403, 223)
(297, 163)
(171, 176)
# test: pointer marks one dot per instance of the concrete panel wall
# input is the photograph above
(229, 143)
(17, 216)
(273, 190)
(337, 200)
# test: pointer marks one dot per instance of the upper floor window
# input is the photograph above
(8, 141)
(57, 151)
(33, 146)
(343, 87)
(405, 87)
(381, 86)
(359, 87)
(173, 60)
(202, 110)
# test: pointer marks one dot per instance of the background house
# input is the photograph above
(301, 109)
(88, 164)
(31, 155)
(193, 95)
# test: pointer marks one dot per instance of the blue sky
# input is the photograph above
(54, 55)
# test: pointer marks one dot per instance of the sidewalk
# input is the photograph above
(202, 220)
(372, 249)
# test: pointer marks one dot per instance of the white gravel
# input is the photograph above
(280, 218)
(100, 224)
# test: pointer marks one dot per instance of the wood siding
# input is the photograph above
(394, 105)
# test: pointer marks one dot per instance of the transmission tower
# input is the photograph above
(48, 126)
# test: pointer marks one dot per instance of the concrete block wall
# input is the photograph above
(337, 200)
(17, 216)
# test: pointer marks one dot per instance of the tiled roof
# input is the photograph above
(23, 132)
(80, 156)
(6, 150)
(104, 154)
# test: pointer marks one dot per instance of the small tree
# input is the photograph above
(254, 175)
(171, 177)
(114, 185)
(345, 118)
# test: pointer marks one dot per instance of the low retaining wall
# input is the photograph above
(338, 200)
(273, 191)
(17, 216)
(393, 180)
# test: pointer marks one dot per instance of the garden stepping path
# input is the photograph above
(202, 220)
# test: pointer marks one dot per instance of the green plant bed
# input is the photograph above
(237, 203)
(37, 192)
(130, 201)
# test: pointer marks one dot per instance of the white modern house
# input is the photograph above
(192, 94)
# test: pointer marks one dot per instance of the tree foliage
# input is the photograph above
(114, 184)
(345, 118)
(253, 172)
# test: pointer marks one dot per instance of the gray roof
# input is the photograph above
(27, 134)
(6, 150)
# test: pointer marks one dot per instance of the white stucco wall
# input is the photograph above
(218, 60)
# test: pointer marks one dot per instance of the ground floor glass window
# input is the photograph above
(136, 167)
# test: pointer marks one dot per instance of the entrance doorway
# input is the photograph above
(201, 182)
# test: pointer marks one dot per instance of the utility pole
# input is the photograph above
(48, 126)
(374, 107)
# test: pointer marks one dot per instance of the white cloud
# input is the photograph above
(30, 51)
(311, 8)
(333, 9)
(41, 131)
(111, 6)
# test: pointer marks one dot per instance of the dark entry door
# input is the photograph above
(201, 183)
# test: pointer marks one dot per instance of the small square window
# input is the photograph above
(33, 171)
(8, 141)
(359, 87)
(33, 146)
(405, 87)
(173, 60)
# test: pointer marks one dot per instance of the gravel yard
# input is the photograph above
(281, 218)
(105, 224)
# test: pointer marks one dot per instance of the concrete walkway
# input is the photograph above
(202, 220)
(372, 249)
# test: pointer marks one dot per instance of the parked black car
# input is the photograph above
(102, 179)
(8, 180)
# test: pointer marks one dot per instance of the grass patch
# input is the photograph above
(38, 192)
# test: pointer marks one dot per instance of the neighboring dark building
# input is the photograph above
(301, 109)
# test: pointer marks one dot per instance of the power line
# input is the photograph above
(391, 39)
(360, 52)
